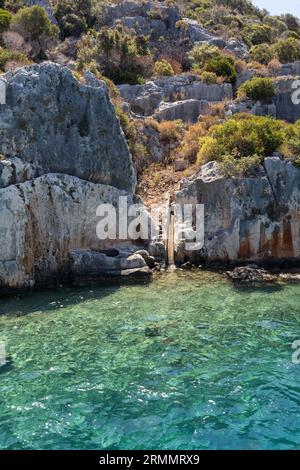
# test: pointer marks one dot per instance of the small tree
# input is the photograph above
(201, 54)
(33, 23)
(287, 50)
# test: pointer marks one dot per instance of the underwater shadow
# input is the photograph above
(47, 300)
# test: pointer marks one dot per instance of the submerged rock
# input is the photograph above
(249, 274)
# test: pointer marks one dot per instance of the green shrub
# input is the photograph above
(201, 54)
(121, 57)
(222, 66)
(74, 17)
(287, 50)
(261, 53)
(258, 89)
(163, 68)
(254, 34)
(242, 136)
(5, 19)
(291, 144)
(243, 166)
(209, 77)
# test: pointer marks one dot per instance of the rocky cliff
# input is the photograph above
(63, 154)
(246, 219)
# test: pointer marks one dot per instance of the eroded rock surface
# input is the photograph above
(179, 97)
(63, 154)
(255, 218)
(54, 122)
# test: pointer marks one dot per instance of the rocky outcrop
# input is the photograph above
(183, 96)
(251, 218)
(285, 104)
(52, 121)
(186, 111)
(63, 154)
(147, 17)
(286, 107)
(159, 20)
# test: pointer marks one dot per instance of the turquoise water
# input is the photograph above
(185, 362)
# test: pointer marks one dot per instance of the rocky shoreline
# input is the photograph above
(62, 159)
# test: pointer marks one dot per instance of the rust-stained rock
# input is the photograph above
(248, 218)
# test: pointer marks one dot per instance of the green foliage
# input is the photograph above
(33, 24)
(261, 53)
(222, 66)
(163, 68)
(5, 19)
(209, 77)
(258, 89)
(233, 165)
(75, 17)
(287, 50)
(119, 56)
(242, 136)
(201, 54)
(291, 144)
(254, 34)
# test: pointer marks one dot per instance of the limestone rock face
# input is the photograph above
(43, 221)
(246, 219)
(182, 96)
(62, 155)
(54, 122)
(286, 108)
(187, 111)
(147, 17)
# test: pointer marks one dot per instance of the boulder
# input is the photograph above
(248, 274)
(91, 265)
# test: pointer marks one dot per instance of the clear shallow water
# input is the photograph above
(186, 362)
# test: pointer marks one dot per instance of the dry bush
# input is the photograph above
(274, 66)
(219, 109)
(240, 65)
(190, 145)
(257, 66)
(150, 122)
(170, 130)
